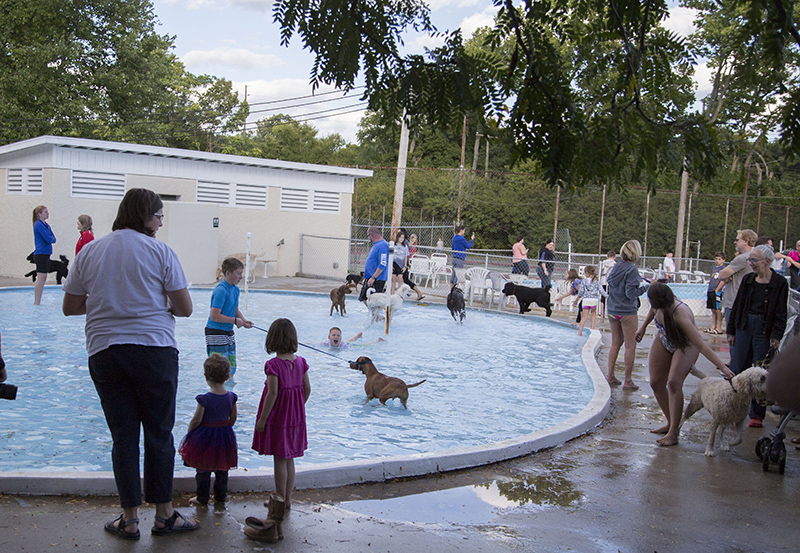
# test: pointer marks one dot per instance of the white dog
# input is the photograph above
(728, 402)
(378, 302)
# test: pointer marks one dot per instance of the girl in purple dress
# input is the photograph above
(281, 420)
(210, 444)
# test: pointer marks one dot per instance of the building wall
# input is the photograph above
(188, 227)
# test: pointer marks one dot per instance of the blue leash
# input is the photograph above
(311, 347)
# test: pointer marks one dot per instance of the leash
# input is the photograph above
(312, 347)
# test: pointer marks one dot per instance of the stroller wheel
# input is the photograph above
(765, 463)
(762, 448)
(782, 459)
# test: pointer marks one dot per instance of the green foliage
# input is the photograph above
(594, 90)
(98, 69)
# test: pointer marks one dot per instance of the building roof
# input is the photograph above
(177, 153)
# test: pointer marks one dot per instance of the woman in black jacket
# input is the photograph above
(758, 318)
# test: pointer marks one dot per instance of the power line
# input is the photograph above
(13, 122)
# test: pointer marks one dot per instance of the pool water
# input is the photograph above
(495, 377)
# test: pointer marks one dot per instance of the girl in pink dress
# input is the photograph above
(281, 420)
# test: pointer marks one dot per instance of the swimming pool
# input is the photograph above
(494, 378)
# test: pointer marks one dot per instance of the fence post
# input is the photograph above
(569, 255)
(486, 261)
(302, 239)
(247, 268)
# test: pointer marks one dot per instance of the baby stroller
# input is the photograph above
(771, 449)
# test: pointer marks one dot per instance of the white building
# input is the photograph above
(211, 201)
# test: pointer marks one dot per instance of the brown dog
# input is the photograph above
(379, 385)
(337, 297)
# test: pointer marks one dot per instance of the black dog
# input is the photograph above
(355, 280)
(526, 296)
(57, 267)
(455, 303)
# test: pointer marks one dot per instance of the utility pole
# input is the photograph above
(646, 224)
(476, 151)
(244, 130)
(602, 219)
(681, 216)
(558, 203)
(400, 179)
(461, 169)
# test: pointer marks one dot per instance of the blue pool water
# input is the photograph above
(495, 377)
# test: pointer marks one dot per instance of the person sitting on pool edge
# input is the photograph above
(335, 339)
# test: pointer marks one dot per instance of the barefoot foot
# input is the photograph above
(660, 430)
(613, 381)
(667, 441)
(630, 385)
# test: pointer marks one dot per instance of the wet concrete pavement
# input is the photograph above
(611, 490)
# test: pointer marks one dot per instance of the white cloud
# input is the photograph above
(468, 26)
(472, 23)
(441, 4)
(252, 5)
(702, 76)
(227, 58)
(680, 21)
(424, 41)
(192, 4)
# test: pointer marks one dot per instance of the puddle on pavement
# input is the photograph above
(472, 505)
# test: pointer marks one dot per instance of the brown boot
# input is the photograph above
(268, 530)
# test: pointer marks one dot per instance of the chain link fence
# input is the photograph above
(334, 258)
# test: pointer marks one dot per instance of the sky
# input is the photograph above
(237, 40)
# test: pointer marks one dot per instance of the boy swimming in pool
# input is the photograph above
(335, 339)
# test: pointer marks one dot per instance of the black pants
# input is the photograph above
(203, 480)
(398, 270)
(137, 387)
(378, 285)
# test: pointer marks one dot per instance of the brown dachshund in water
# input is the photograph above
(379, 385)
(337, 297)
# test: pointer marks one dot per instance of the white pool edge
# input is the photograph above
(327, 475)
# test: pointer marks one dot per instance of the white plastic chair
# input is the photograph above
(420, 268)
(438, 266)
(517, 279)
(477, 282)
(498, 282)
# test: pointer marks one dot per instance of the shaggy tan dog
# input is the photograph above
(728, 402)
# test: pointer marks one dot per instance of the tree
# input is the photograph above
(98, 69)
(596, 89)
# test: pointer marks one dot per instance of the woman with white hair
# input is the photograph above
(758, 318)
(622, 305)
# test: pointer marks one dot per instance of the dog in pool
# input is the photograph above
(526, 296)
(377, 302)
(380, 386)
(455, 303)
(337, 297)
(57, 267)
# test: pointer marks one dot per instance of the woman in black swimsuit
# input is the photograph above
(672, 355)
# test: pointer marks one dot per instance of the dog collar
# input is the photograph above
(730, 381)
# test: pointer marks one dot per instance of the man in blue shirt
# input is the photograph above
(460, 244)
(376, 268)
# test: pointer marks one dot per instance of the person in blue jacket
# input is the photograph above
(43, 240)
(460, 246)
(376, 269)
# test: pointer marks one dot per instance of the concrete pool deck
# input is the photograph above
(609, 490)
